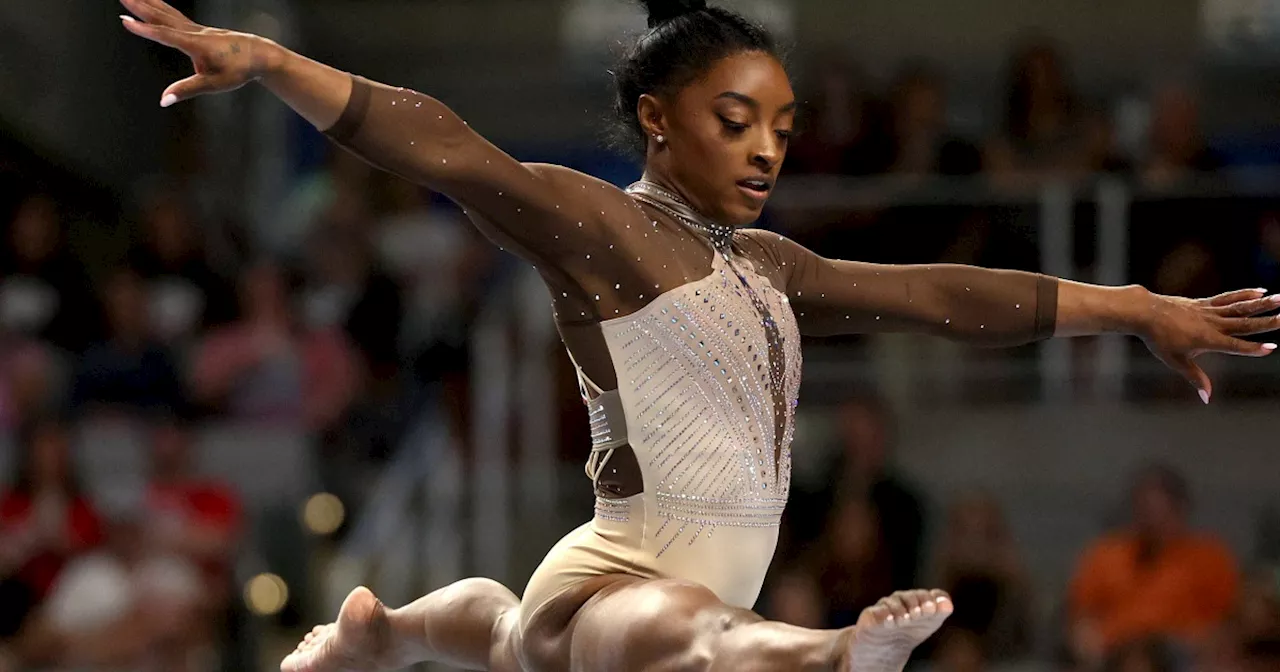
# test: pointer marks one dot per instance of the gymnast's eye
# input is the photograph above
(732, 126)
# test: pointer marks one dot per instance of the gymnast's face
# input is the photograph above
(725, 135)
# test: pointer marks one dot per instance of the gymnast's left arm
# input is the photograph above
(1005, 308)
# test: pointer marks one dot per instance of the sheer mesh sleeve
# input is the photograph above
(542, 213)
(602, 254)
(963, 303)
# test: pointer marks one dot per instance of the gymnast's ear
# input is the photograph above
(652, 115)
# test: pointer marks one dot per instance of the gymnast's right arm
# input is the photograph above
(543, 213)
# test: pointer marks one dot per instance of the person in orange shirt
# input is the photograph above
(1156, 578)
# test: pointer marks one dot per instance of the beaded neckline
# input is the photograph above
(720, 236)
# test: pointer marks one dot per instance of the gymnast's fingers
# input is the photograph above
(169, 37)
(1246, 326)
(185, 89)
(1243, 348)
(1228, 298)
(1248, 308)
(159, 14)
(1194, 375)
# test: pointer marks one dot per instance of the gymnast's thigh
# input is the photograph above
(623, 623)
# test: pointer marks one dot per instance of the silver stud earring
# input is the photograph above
(660, 138)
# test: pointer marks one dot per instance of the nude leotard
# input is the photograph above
(698, 325)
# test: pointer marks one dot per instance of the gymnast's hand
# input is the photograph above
(1178, 330)
(224, 60)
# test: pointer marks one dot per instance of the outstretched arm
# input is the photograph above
(994, 307)
(546, 214)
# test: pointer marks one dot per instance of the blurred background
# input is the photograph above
(241, 373)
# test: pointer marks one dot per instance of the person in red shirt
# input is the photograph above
(1157, 578)
(189, 516)
(45, 520)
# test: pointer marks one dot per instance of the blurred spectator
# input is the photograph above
(190, 517)
(127, 606)
(43, 292)
(959, 650)
(861, 473)
(850, 563)
(796, 598)
(1145, 655)
(1177, 149)
(921, 142)
(27, 380)
(1258, 614)
(266, 366)
(336, 195)
(837, 130)
(1043, 131)
(1189, 269)
(1268, 256)
(130, 368)
(1156, 578)
(44, 522)
(184, 293)
(1262, 656)
(346, 291)
(979, 565)
(435, 254)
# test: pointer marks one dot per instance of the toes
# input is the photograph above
(910, 601)
(942, 600)
(895, 607)
(881, 614)
(928, 607)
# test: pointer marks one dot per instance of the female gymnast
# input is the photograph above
(685, 331)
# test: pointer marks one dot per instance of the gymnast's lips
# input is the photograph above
(756, 188)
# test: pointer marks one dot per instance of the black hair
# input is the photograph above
(685, 38)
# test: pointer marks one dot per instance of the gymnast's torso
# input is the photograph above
(707, 380)
(686, 334)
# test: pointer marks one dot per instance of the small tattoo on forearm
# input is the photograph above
(235, 48)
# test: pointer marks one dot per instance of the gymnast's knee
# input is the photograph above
(663, 625)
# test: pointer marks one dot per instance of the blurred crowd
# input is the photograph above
(910, 139)
(335, 334)
(353, 311)
(1153, 594)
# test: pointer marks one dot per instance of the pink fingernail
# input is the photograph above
(126, 17)
(168, 100)
(1268, 346)
(1204, 396)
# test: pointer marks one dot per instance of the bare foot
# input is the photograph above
(355, 643)
(887, 633)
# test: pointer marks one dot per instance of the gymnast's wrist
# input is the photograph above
(270, 60)
(1135, 313)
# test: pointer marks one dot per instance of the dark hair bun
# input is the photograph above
(662, 11)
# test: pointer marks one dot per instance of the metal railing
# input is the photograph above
(1055, 203)
(432, 518)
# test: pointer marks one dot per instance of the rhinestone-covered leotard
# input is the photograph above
(692, 332)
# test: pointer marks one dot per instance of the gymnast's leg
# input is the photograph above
(676, 626)
(471, 624)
